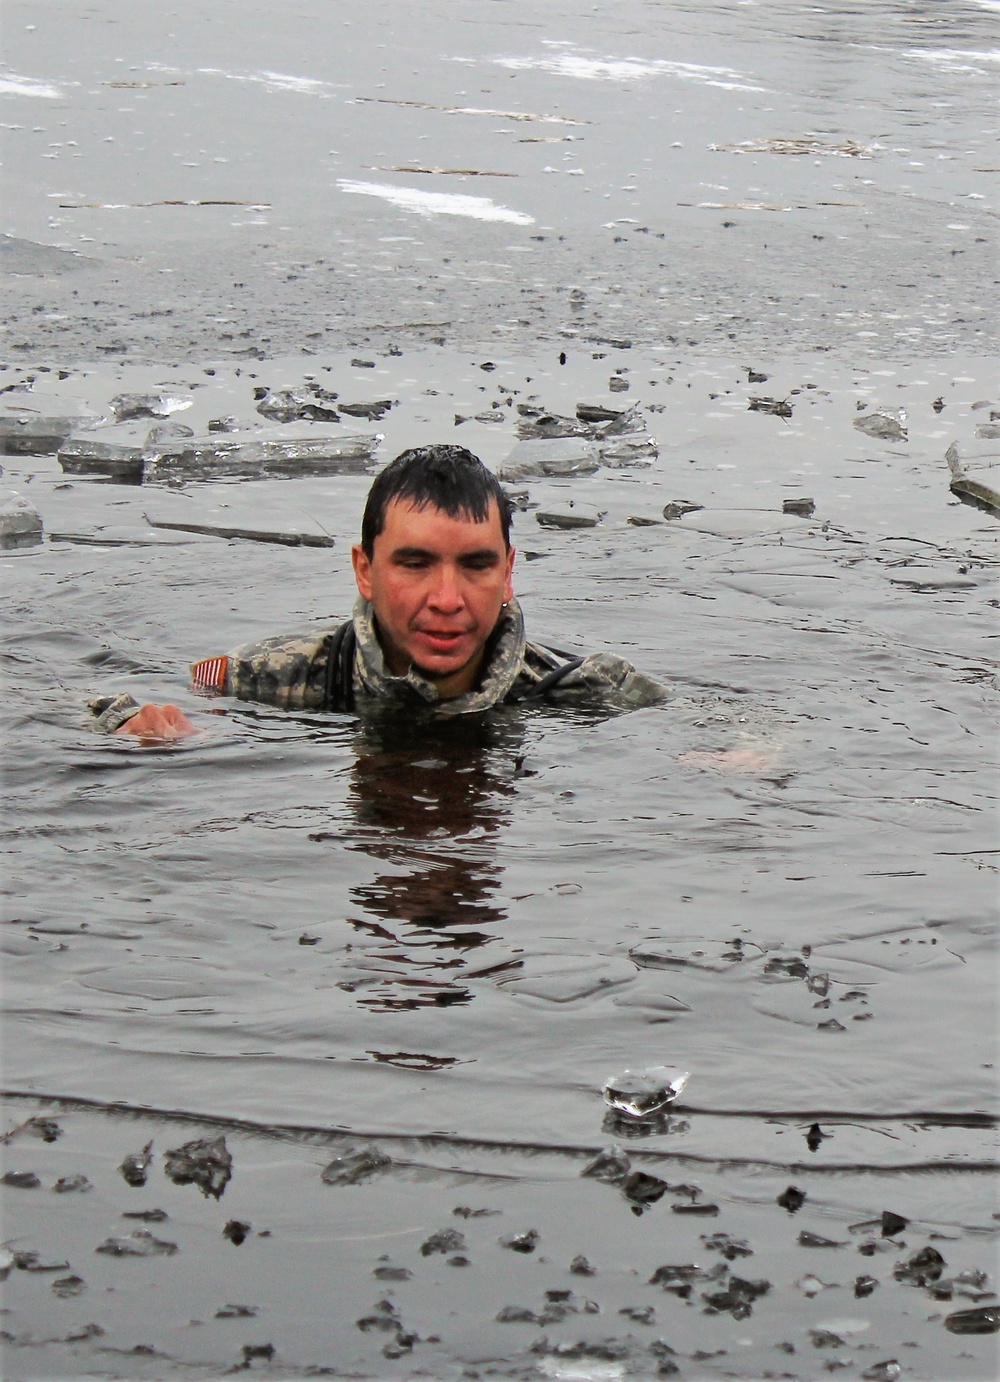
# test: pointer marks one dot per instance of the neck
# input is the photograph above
(456, 684)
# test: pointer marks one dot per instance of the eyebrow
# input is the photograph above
(423, 553)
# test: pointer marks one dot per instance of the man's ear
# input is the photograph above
(362, 571)
(508, 593)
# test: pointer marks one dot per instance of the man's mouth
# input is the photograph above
(442, 640)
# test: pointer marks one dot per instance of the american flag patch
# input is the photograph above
(210, 675)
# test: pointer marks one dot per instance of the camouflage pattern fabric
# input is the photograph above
(111, 712)
(289, 671)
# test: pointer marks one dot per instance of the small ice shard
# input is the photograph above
(68, 1286)
(922, 1269)
(882, 426)
(141, 1243)
(886, 1371)
(639, 1093)
(516, 1314)
(21, 1180)
(985, 1319)
(535, 422)
(777, 407)
(810, 1285)
(596, 412)
(445, 1240)
(374, 411)
(204, 1162)
(20, 523)
(308, 403)
(677, 508)
(640, 1188)
(45, 1128)
(133, 405)
(892, 1224)
(737, 1296)
(67, 1185)
(171, 431)
(803, 506)
(611, 1165)
(520, 1242)
(569, 515)
(356, 1166)
(625, 441)
(617, 452)
(136, 1165)
(731, 1248)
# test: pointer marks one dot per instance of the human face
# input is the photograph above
(437, 585)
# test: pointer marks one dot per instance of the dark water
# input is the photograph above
(313, 932)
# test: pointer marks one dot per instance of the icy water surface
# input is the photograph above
(454, 936)
(770, 229)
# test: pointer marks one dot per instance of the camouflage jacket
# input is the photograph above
(290, 671)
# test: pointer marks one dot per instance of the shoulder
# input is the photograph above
(285, 669)
(301, 644)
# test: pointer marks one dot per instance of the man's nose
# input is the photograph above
(446, 594)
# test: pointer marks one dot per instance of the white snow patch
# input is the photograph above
(437, 203)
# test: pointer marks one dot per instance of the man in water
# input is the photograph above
(436, 624)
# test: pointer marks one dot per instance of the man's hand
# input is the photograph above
(158, 722)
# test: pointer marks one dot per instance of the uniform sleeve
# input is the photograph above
(601, 679)
(611, 680)
(111, 712)
(287, 671)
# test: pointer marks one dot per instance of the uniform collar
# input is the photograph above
(505, 653)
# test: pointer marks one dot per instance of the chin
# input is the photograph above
(435, 673)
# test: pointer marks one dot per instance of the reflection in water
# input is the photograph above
(428, 799)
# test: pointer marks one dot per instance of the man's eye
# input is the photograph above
(480, 564)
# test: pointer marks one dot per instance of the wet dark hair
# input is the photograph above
(449, 478)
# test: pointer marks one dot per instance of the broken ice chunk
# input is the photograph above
(307, 403)
(132, 405)
(536, 423)
(639, 1093)
(36, 424)
(268, 451)
(20, 523)
(883, 426)
(560, 456)
(115, 452)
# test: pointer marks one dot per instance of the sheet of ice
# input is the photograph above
(956, 60)
(437, 203)
(274, 81)
(13, 85)
(588, 68)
